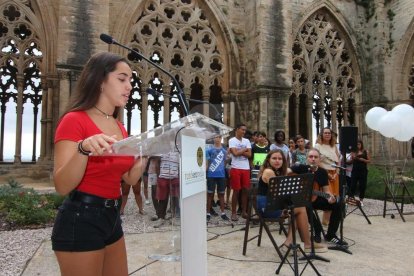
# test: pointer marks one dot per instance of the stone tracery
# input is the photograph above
(185, 43)
(323, 69)
(20, 61)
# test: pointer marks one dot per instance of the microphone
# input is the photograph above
(217, 116)
(107, 39)
(338, 167)
(181, 96)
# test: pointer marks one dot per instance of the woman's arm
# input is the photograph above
(134, 174)
(70, 164)
(267, 174)
(367, 160)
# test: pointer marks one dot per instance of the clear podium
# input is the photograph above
(187, 137)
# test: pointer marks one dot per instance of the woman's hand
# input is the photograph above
(332, 199)
(99, 144)
(132, 176)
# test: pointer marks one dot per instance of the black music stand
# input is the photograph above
(290, 192)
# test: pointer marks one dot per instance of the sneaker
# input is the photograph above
(336, 241)
(155, 218)
(318, 247)
(161, 223)
(147, 202)
(224, 217)
(213, 212)
(208, 217)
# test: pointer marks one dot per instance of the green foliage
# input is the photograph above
(21, 206)
(375, 185)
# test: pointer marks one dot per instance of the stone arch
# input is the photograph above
(325, 69)
(192, 39)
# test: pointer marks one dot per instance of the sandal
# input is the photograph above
(234, 217)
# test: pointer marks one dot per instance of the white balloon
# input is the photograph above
(389, 124)
(406, 114)
(403, 136)
(403, 109)
(373, 117)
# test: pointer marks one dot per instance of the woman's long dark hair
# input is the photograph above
(88, 88)
(362, 144)
(266, 163)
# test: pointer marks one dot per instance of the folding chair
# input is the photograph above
(396, 189)
(357, 205)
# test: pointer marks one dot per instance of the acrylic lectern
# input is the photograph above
(186, 137)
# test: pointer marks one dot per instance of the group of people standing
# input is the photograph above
(278, 158)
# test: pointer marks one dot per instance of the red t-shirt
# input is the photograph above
(103, 173)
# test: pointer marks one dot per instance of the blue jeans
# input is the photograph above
(261, 207)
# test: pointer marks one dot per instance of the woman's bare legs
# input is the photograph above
(111, 260)
(301, 219)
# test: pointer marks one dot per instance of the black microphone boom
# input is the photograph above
(181, 96)
(337, 166)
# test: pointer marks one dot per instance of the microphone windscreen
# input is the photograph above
(106, 38)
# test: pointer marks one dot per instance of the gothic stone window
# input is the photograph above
(324, 73)
(20, 84)
(178, 36)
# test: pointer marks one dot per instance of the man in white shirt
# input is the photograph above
(241, 151)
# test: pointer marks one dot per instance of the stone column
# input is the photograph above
(144, 109)
(263, 114)
(309, 106)
(43, 116)
(19, 118)
(206, 106)
(166, 89)
(226, 109)
(345, 112)
(333, 115)
(296, 104)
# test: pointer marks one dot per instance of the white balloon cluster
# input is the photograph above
(397, 123)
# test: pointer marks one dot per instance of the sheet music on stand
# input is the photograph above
(294, 188)
(163, 139)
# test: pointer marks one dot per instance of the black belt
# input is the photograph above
(94, 200)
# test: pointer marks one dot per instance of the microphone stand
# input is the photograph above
(155, 93)
(181, 96)
(342, 175)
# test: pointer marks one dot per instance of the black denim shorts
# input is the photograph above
(85, 227)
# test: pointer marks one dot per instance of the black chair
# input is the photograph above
(396, 191)
(357, 206)
(253, 216)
